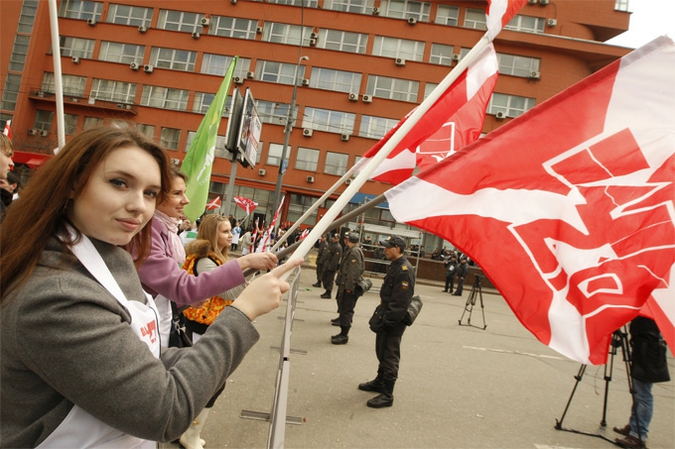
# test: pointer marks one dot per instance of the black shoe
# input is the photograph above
(374, 385)
(339, 339)
(335, 321)
(383, 400)
(318, 284)
(631, 442)
(456, 294)
(625, 430)
(326, 295)
(446, 290)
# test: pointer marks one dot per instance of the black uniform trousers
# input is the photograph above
(388, 350)
(346, 306)
(328, 279)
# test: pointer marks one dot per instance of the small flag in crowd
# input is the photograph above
(579, 192)
(213, 204)
(453, 122)
(246, 204)
(8, 129)
(198, 161)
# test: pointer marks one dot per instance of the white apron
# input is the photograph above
(80, 429)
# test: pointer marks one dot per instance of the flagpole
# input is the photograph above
(58, 73)
(388, 147)
(314, 207)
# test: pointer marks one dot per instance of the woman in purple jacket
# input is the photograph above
(161, 275)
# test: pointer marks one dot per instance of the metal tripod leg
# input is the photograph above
(619, 339)
(471, 301)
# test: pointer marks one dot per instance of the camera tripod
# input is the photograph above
(471, 301)
(619, 340)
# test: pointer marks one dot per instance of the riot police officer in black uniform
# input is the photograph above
(396, 293)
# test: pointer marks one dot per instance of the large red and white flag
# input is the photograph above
(499, 13)
(246, 204)
(570, 208)
(453, 122)
(213, 204)
(8, 129)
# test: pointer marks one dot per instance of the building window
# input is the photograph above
(92, 122)
(526, 23)
(43, 120)
(11, 92)
(169, 138)
(233, 27)
(274, 113)
(278, 72)
(398, 48)
(70, 123)
(509, 105)
(115, 91)
(428, 88)
(165, 98)
(186, 22)
(405, 9)
(307, 159)
(447, 15)
(74, 46)
(375, 127)
(517, 65)
(27, 17)
(129, 15)
(217, 65)
(169, 58)
(123, 53)
(475, 18)
(83, 10)
(393, 88)
(343, 41)
(220, 150)
(282, 33)
(72, 85)
(355, 6)
(621, 5)
(336, 80)
(336, 163)
(274, 154)
(19, 52)
(329, 121)
(203, 100)
(298, 205)
(301, 3)
(441, 54)
(147, 130)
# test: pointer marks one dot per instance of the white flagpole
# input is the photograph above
(314, 207)
(58, 82)
(387, 148)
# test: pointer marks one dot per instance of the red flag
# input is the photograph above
(304, 234)
(264, 242)
(213, 204)
(8, 129)
(569, 208)
(499, 13)
(453, 122)
(246, 204)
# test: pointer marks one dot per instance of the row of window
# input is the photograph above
(270, 112)
(190, 22)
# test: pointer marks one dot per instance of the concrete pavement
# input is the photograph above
(459, 386)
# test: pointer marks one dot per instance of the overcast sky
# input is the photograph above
(650, 18)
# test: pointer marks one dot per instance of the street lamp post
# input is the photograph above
(287, 137)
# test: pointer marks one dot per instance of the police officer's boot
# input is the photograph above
(326, 294)
(375, 385)
(384, 399)
(342, 338)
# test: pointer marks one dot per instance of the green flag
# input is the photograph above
(198, 161)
